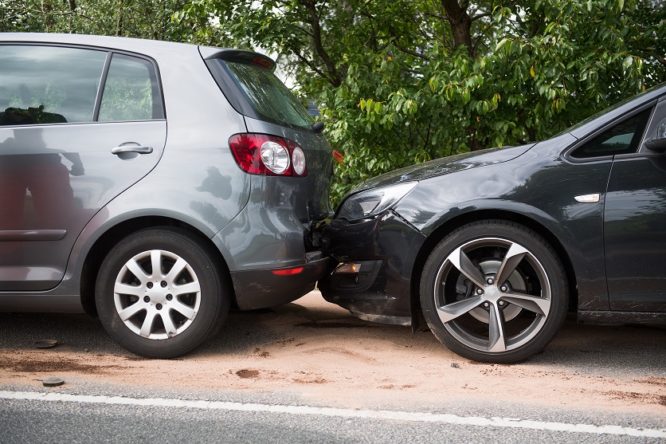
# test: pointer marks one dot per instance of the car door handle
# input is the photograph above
(131, 147)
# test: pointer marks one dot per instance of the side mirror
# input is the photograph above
(656, 145)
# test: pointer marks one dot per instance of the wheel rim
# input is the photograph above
(514, 295)
(157, 294)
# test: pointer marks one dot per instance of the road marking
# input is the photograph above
(441, 418)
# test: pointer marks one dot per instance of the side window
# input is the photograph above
(657, 129)
(48, 84)
(623, 138)
(131, 91)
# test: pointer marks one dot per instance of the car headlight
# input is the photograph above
(372, 202)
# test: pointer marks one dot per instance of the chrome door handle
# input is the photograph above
(131, 147)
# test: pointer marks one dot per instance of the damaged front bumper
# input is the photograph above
(371, 272)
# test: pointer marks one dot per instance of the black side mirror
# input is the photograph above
(656, 145)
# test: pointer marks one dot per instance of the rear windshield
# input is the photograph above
(269, 97)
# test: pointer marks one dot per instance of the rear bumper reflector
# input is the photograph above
(288, 271)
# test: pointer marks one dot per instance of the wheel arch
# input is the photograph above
(112, 235)
(462, 219)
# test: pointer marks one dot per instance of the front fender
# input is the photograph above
(576, 228)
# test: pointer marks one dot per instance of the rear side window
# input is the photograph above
(623, 138)
(131, 91)
(268, 96)
(46, 84)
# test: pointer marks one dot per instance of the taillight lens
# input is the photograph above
(298, 160)
(275, 157)
(268, 155)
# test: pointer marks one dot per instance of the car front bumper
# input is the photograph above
(373, 261)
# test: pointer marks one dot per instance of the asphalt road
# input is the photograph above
(356, 382)
(57, 422)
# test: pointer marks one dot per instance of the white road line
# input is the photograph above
(441, 418)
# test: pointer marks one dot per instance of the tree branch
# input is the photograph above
(479, 16)
(311, 65)
(409, 51)
(313, 16)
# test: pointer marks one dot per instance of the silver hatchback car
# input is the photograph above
(155, 184)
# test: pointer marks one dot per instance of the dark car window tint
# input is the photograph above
(47, 84)
(622, 138)
(270, 98)
(657, 129)
(130, 91)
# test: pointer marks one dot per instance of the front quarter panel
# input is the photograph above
(540, 186)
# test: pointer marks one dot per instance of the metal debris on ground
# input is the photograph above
(52, 381)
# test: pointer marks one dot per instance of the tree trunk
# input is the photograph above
(461, 25)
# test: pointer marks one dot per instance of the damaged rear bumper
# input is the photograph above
(263, 288)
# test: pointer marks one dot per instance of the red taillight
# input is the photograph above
(288, 271)
(247, 150)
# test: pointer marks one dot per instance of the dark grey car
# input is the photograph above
(491, 248)
(154, 183)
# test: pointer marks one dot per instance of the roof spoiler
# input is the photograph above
(236, 55)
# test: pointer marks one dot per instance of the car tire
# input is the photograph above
(167, 314)
(494, 291)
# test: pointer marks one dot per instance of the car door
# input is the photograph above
(77, 127)
(635, 224)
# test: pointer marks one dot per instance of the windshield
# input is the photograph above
(269, 97)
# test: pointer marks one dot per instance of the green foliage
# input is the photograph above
(131, 18)
(403, 81)
(395, 87)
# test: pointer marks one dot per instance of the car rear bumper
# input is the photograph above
(262, 288)
(385, 249)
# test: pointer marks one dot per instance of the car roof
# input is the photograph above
(153, 48)
(121, 43)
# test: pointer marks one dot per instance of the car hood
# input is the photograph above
(446, 165)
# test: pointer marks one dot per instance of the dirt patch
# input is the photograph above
(324, 324)
(396, 387)
(653, 381)
(261, 354)
(344, 351)
(317, 352)
(247, 373)
(646, 398)
(310, 380)
(55, 364)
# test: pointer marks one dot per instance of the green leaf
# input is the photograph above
(433, 83)
(627, 62)
(466, 96)
(501, 43)
(378, 107)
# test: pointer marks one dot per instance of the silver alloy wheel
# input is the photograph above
(157, 294)
(493, 293)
